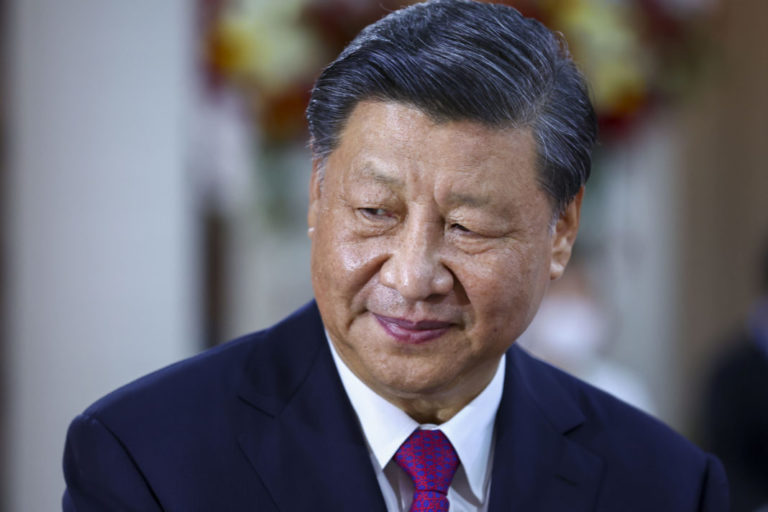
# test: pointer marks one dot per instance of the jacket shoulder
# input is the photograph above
(172, 439)
(637, 450)
(213, 379)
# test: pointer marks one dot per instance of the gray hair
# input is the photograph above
(465, 60)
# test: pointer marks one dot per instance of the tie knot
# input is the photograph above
(429, 459)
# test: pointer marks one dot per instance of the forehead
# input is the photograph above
(387, 140)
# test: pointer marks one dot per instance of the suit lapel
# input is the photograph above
(301, 434)
(536, 466)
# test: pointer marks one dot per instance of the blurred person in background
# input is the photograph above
(736, 407)
(572, 330)
(451, 145)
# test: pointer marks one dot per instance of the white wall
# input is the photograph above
(103, 282)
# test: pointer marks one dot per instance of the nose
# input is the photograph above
(415, 265)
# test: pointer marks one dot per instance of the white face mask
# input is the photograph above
(569, 331)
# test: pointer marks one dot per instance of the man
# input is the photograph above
(451, 145)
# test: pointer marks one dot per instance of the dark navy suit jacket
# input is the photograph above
(263, 424)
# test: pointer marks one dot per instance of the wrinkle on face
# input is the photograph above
(430, 221)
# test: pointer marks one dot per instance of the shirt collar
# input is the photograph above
(386, 426)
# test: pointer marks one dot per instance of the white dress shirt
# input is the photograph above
(470, 431)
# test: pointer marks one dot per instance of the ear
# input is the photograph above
(565, 235)
(315, 186)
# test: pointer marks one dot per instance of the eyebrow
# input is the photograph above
(369, 171)
(468, 199)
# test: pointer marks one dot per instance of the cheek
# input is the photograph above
(346, 265)
(505, 290)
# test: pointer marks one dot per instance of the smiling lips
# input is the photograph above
(413, 332)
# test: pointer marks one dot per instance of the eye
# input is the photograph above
(459, 227)
(376, 213)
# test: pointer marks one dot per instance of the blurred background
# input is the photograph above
(153, 186)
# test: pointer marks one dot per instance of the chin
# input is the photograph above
(417, 384)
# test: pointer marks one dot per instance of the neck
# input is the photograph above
(425, 411)
(437, 408)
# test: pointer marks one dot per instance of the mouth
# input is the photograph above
(411, 332)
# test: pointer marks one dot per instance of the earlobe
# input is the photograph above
(565, 235)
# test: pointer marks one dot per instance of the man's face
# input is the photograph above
(432, 245)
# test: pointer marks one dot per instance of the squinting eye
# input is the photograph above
(376, 212)
(459, 227)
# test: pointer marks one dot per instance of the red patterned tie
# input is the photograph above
(430, 460)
